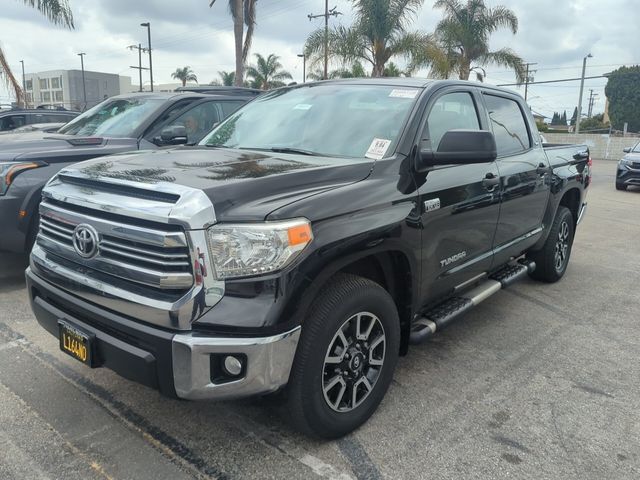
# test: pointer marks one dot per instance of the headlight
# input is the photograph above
(8, 172)
(242, 250)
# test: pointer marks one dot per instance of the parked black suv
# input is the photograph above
(140, 121)
(628, 173)
(307, 241)
(12, 119)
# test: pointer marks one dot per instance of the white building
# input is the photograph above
(64, 88)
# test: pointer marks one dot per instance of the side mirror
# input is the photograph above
(627, 150)
(174, 135)
(459, 147)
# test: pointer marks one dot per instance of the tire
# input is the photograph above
(314, 402)
(620, 186)
(553, 258)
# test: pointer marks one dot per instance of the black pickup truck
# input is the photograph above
(140, 121)
(305, 243)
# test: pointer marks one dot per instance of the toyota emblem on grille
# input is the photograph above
(85, 240)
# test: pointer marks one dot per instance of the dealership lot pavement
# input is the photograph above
(539, 382)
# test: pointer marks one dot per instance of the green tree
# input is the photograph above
(464, 35)
(555, 119)
(574, 116)
(57, 12)
(624, 97)
(392, 70)
(227, 78)
(563, 119)
(243, 13)
(594, 124)
(185, 75)
(267, 72)
(378, 34)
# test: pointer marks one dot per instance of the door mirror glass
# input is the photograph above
(174, 135)
(460, 147)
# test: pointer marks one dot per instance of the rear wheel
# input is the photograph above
(346, 357)
(620, 186)
(553, 258)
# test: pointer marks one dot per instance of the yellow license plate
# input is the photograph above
(75, 342)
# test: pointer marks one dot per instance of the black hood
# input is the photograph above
(54, 147)
(243, 185)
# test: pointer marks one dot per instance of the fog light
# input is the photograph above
(233, 366)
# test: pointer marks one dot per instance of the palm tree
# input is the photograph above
(185, 75)
(228, 78)
(243, 13)
(268, 72)
(379, 33)
(464, 35)
(59, 13)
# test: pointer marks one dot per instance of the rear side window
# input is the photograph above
(229, 107)
(453, 111)
(509, 125)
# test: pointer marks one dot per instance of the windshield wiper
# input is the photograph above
(293, 150)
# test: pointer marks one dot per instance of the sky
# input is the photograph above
(555, 34)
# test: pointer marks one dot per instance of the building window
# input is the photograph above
(28, 85)
(58, 96)
(45, 96)
(29, 97)
(55, 82)
(44, 84)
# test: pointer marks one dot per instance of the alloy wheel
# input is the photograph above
(353, 362)
(562, 246)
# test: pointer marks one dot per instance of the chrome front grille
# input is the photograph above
(138, 251)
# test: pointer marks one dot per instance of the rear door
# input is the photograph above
(460, 203)
(524, 173)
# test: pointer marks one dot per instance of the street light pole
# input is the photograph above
(84, 85)
(24, 87)
(304, 67)
(148, 25)
(584, 70)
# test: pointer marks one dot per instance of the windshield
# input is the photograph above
(322, 119)
(118, 117)
(636, 149)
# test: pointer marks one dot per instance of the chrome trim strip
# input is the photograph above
(162, 310)
(144, 251)
(269, 361)
(125, 271)
(129, 254)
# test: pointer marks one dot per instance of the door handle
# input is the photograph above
(543, 169)
(490, 181)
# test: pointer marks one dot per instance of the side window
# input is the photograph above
(11, 122)
(229, 107)
(198, 121)
(509, 125)
(453, 111)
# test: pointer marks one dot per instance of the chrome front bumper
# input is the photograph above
(268, 364)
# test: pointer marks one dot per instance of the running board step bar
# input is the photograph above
(445, 313)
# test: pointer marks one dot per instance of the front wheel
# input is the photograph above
(552, 260)
(346, 357)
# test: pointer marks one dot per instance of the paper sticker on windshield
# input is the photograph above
(303, 106)
(407, 93)
(378, 148)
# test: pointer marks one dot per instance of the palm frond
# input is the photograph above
(57, 12)
(9, 78)
(506, 57)
(501, 16)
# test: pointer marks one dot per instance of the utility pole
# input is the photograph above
(84, 84)
(139, 67)
(584, 70)
(528, 79)
(24, 87)
(148, 26)
(304, 67)
(592, 102)
(327, 13)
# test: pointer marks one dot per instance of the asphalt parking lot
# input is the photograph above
(539, 382)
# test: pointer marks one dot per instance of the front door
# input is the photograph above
(460, 204)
